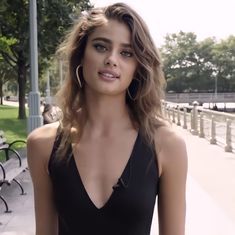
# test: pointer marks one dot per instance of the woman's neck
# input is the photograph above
(107, 114)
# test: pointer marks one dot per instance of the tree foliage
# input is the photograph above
(224, 60)
(192, 65)
(6, 71)
(54, 19)
(6, 74)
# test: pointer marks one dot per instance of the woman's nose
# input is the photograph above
(111, 60)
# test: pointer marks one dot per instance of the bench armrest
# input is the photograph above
(16, 141)
(3, 171)
(7, 149)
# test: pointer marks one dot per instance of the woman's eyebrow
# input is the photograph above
(106, 40)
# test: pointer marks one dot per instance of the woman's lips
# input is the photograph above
(108, 75)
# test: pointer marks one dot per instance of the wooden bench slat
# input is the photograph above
(13, 166)
(2, 141)
(10, 175)
(4, 146)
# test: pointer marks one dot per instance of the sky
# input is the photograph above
(206, 18)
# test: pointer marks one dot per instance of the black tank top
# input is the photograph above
(128, 211)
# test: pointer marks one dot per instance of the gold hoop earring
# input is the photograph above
(134, 89)
(129, 94)
(77, 75)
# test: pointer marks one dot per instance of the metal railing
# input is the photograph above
(217, 127)
(200, 97)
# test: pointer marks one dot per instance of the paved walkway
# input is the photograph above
(210, 194)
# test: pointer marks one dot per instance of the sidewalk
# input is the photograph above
(21, 220)
(213, 169)
(210, 194)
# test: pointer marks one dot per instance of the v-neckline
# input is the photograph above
(121, 177)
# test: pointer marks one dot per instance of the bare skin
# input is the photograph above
(39, 146)
(108, 138)
(172, 158)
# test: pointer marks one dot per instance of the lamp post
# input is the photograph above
(35, 117)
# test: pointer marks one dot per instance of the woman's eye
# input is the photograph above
(100, 48)
(127, 53)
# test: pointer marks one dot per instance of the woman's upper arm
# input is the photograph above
(172, 190)
(39, 145)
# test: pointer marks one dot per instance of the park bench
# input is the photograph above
(13, 165)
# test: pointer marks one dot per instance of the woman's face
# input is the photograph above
(109, 63)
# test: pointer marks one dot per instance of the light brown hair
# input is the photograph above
(145, 109)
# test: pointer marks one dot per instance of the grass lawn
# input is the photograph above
(13, 128)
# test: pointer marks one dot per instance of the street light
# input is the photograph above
(35, 117)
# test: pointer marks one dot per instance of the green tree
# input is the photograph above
(180, 61)
(206, 67)
(54, 18)
(6, 71)
(224, 60)
(199, 66)
(7, 74)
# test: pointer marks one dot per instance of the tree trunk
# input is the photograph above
(22, 85)
(1, 92)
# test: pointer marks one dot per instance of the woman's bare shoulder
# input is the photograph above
(170, 147)
(168, 137)
(40, 141)
(43, 133)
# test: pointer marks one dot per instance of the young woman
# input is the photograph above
(101, 168)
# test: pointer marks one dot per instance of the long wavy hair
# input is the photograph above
(145, 108)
